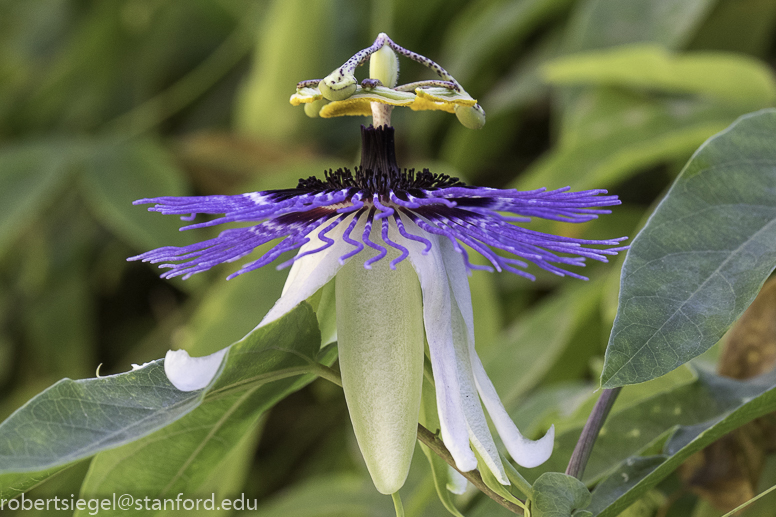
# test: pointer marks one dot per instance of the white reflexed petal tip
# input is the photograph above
(191, 373)
(527, 453)
(534, 453)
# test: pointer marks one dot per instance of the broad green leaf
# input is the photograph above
(183, 456)
(73, 420)
(558, 495)
(737, 402)
(116, 174)
(635, 394)
(30, 175)
(720, 75)
(605, 23)
(229, 477)
(702, 257)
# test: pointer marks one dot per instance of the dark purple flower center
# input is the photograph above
(377, 174)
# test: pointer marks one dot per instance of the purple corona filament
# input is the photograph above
(380, 194)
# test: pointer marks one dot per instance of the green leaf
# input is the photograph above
(558, 495)
(702, 257)
(720, 75)
(183, 456)
(116, 174)
(77, 419)
(736, 403)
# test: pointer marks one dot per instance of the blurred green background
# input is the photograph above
(105, 102)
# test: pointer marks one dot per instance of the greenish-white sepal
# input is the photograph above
(380, 341)
(437, 308)
(494, 484)
(446, 478)
(313, 271)
(326, 313)
(305, 95)
(384, 65)
(338, 86)
(462, 324)
(192, 373)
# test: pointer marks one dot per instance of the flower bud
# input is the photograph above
(384, 65)
(472, 117)
(338, 86)
(380, 339)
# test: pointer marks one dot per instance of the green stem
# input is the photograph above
(331, 375)
(517, 479)
(397, 504)
(595, 421)
(435, 444)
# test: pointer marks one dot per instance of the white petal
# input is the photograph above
(312, 272)
(527, 453)
(436, 319)
(464, 344)
(459, 284)
(191, 373)
(479, 433)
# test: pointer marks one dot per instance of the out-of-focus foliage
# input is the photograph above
(102, 103)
